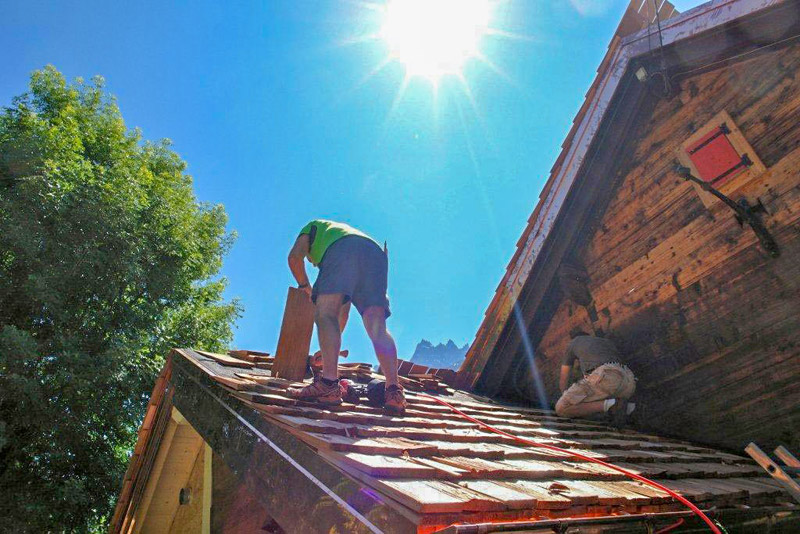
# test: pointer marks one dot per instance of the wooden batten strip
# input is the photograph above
(383, 446)
(386, 466)
(226, 360)
(545, 498)
(507, 494)
(615, 493)
(426, 496)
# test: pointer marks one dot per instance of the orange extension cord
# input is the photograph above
(711, 524)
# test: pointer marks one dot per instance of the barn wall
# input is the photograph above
(709, 322)
(234, 509)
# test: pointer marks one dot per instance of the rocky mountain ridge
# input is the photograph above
(442, 356)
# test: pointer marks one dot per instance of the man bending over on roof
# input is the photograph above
(606, 386)
(352, 268)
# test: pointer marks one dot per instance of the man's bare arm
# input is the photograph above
(297, 259)
(566, 368)
(563, 380)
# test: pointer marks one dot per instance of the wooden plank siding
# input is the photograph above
(702, 39)
(708, 321)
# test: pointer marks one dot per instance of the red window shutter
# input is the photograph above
(715, 158)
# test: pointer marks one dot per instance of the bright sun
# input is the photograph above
(433, 38)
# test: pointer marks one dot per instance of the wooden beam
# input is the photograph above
(178, 417)
(176, 457)
(208, 458)
(144, 453)
(294, 342)
(154, 475)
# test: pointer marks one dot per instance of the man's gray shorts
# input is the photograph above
(358, 268)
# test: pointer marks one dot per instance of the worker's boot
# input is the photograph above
(619, 413)
(318, 391)
(395, 401)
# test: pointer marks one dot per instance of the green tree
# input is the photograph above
(107, 260)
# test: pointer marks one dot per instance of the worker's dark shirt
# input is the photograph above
(591, 352)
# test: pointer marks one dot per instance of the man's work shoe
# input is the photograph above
(395, 402)
(318, 391)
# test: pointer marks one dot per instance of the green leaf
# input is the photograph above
(107, 260)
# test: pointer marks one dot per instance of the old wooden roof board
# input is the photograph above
(434, 465)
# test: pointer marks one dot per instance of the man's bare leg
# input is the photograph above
(581, 410)
(344, 314)
(385, 349)
(327, 315)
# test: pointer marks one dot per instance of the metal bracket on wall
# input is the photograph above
(744, 212)
(758, 207)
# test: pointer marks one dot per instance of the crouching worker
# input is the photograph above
(607, 383)
(353, 268)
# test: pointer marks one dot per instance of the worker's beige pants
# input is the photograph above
(609, 381)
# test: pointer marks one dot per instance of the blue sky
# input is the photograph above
(277, 119)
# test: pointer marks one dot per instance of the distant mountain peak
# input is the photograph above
(441, 356)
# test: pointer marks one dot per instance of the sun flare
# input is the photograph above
(434, 38)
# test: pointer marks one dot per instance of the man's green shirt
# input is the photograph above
(323, 234)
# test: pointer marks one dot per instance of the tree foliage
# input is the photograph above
(107, 260)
